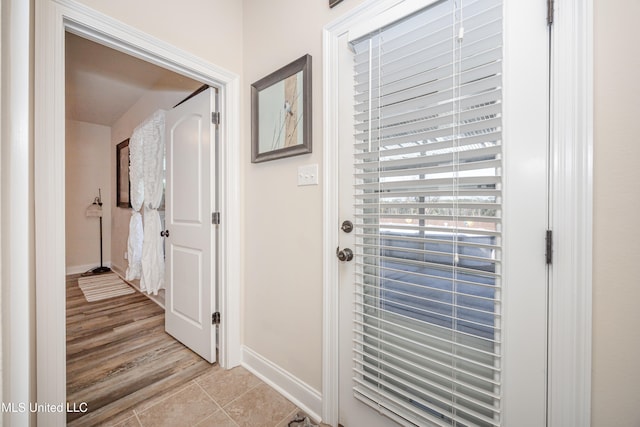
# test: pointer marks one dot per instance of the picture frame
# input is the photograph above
(123, 186)
(281, 112)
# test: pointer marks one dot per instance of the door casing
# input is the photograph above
(53, 18)
(571, 207)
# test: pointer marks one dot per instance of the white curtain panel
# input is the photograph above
(152, 278)
(136, 173)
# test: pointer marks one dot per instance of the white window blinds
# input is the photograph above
(428, 216)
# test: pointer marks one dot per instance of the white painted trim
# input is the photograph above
(330, 301)
(79, 269)
(18, 351)
(301, 394)
(570, 315)
(230, 234)
(401, 9)
(571, 211)
(52, 19)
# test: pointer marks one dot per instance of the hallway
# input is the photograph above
(131, 373)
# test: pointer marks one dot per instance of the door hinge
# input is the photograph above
(550, 4)
(549, 247)
(215, 318)
(215, 118)
(215, 218)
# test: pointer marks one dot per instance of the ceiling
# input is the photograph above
(103, 83)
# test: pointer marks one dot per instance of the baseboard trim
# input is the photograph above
(79, 269)
(301, 394)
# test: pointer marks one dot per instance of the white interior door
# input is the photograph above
(443, 308)
(190, 245)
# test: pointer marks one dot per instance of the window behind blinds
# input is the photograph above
(428, 216)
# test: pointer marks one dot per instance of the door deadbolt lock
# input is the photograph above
(164, 233)
(347, 226)
(344, 255)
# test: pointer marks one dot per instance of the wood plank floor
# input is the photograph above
(119, 356)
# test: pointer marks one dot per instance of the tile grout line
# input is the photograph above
(138, 418)
(242, 394)
(252, 388)
(207, 394)
(219, 405)
(135, 411)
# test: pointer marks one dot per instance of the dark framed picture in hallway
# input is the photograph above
(123, 188)
(281, 112)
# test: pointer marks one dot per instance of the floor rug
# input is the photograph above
(103, 286)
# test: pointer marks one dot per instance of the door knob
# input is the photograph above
(164, 233)
(344, 255)
(347, 226)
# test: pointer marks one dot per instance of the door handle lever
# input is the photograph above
(164, 233)
(344, 255)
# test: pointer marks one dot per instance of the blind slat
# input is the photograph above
(445, 118)
(427, 99)
(438, 90)
(431, 348)
(475, 68)
(446, 314)
(415, 229)
(446, 398)
(428, 110)
(382, 197)
(425, 37)
(411, 170)
(466, 379)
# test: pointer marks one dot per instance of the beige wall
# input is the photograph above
(283, 226)
(160, 97)
(616, 284)
(210, 29)
(87, 169)
(283, 275)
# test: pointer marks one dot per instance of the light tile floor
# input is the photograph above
(220, 398)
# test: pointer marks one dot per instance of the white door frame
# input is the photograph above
(571, 189)
(53, 18)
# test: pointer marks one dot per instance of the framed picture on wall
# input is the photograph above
(281, 112)
(123, 188)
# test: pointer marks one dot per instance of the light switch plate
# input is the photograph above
(308, 175)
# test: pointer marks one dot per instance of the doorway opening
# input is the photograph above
(51, 23)
(118, 353)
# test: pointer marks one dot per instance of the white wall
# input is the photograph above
(283, 226)
(88, 168)
(616, 252)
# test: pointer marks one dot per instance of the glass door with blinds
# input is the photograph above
(443, 152)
